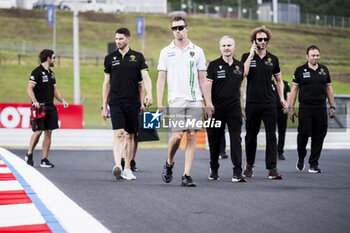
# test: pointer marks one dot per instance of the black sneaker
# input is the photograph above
(187, 181)
(133, 166)
(300, 165)
(281, 156)
(273, 174)
(315, 170)
(223, 155)
(167, 174)
(248, 172)
(238, 178)
(29, 159)
(213, 174)
(46, 163)
(122, 162)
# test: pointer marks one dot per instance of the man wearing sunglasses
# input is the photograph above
(42, 90)
(259, 67)
(183, 65)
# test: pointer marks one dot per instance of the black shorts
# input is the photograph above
(125, 116)
(48, 122)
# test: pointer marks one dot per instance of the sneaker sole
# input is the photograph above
(314, 172)
(238, 181)
(117, 172)
(210, 178)
(128, 178)
(248, 176)
(279, 177)
(43, 165)
(188, 185)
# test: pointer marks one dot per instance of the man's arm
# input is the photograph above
(160, 87)
(148, 87)
(249, 59)
(206, 91)
(60, 98)
(30, 91)
(241, 101)
(142, 96)
(330, 97)
(280, 89)
(106, 89)
(291, 102)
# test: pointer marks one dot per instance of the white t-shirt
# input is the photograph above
(182, 68)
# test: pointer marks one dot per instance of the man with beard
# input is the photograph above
(225, 76)
(42, 90)
(123, 90)
(182, 64)
(259, 67)
(314, 82)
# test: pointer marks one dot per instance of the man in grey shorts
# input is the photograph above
(183, 65)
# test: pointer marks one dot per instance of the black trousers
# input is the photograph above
(282, 127)
(256, 112)
(313, 122)
(221, 141)
(233, 119)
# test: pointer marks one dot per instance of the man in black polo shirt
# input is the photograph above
(225, 75)
(315, 86)
(42, 90)
(259, 67)
(123, 90)
(282, 117)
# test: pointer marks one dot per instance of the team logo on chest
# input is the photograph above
(236, 70)
(269, 62)
(133, 58)
(321, 72)
(192, 53)
(253, 63)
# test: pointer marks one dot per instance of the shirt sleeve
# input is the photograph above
(244, 57)
(201, 65)
(276, 69)
(33, 77)
(210, 72)
(107, 66)
(162, 62)
(296, 77)
(143, 63)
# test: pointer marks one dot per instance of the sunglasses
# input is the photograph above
(262, 39)
(180, 28)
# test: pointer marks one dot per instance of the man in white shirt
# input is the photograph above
(183, 65)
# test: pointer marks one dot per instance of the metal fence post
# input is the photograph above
(19, 59)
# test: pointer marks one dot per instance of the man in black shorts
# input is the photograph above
(123, 91)
(42, 90)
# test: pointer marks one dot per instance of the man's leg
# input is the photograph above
(253, 123)
(34, 141)
(174, 143)
(130, 146)
(46, 143)
(118, 145)
(282, 127)
(190, 150)
(269, 119)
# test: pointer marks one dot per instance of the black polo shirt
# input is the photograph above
(312, 84)
(226, 83)
(277, 96)
(259, 86)
(125, 74)
(44, 84)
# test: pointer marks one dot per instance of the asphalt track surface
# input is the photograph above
(301, 202)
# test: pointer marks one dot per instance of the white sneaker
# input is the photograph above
(127, 175)
(117, 172)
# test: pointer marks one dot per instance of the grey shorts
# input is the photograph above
(184, 115)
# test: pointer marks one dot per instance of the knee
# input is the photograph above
(129, 136)
(48, 133)
(119, 134)
(178, 136)
(191, 135)
(38, 133)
